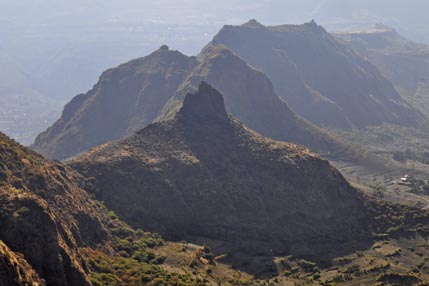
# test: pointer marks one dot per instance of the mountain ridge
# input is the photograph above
(248, 93)
(321, 79)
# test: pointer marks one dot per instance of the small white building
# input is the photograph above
(405, 179)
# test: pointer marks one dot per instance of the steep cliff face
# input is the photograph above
(45, 216)
(321, 79)
(205, 177)
(125, 99)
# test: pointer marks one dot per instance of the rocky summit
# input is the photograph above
(322, 79)
(203, 176)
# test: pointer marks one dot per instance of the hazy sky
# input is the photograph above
(78, 39)
(160, 11)
(201, 11)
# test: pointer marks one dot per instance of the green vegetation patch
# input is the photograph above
(131, 262)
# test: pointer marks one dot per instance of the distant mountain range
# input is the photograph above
(404, 62)
(134, 94)
(322, 80)
(350, 14)
(63, 59)
(131, 96)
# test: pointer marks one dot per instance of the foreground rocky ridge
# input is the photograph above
(205, 177)
(53, 233)
(45, 216)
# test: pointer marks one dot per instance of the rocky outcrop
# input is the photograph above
(205, 177)
(14, 270)
(322, 80)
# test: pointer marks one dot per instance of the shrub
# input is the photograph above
(308, 266)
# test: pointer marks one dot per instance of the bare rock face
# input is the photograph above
(125, 99)
(205, 177)
(204, 105)
(45, 216)
(14, 270)
(322, 79)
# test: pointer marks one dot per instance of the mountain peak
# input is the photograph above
(312, 25)
(164, 48)
(205, 104)
(253, 23)
(313, 22)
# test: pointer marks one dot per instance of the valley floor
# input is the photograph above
(387, 185)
